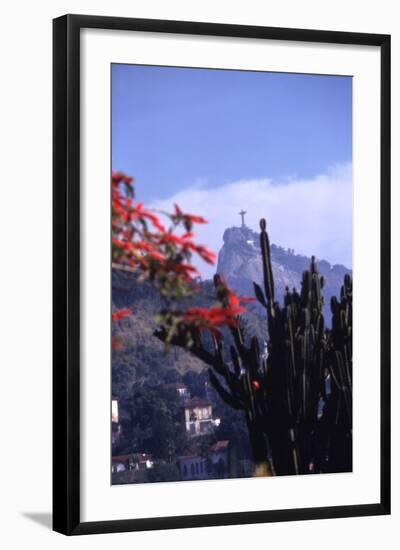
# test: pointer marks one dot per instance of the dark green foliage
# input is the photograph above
(151, 422)
(297, 399)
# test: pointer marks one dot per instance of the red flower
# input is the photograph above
(116, 343)
(120, 314)
(228, 297)
(195, 219)
(156, 255)
(206, 254)
(188, 219)
(170, 238)
(154, 220)
(211, 317)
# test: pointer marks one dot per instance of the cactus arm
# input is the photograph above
(267, 267)
(223, 393)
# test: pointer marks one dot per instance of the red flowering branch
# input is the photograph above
(120, 314)
(225, 313)
(141, 242)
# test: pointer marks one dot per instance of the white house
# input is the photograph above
(199, 417)
(115, 424)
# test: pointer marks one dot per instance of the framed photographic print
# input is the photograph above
(221, 274)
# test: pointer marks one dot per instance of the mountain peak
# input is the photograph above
(239, 235)
(239, 262)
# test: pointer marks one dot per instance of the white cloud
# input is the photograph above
(313, 216)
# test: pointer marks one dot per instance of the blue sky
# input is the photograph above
(180, 132)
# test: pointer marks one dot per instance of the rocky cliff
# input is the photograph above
(239, 261)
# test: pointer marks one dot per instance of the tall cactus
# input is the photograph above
(297, 398)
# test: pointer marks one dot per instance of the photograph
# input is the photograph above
(201, 258)
(231, 261)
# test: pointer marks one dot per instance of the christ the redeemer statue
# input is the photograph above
(242, 213)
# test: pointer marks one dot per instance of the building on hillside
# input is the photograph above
(115, 409)
(193, 467)
(219, 456)
(115, 423)
(224, 459)
(131, 462)
(181, 389)
(199, 417)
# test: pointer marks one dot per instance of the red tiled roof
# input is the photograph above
(133, 456)
(220, 446)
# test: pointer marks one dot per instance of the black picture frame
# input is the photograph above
(66, 273)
